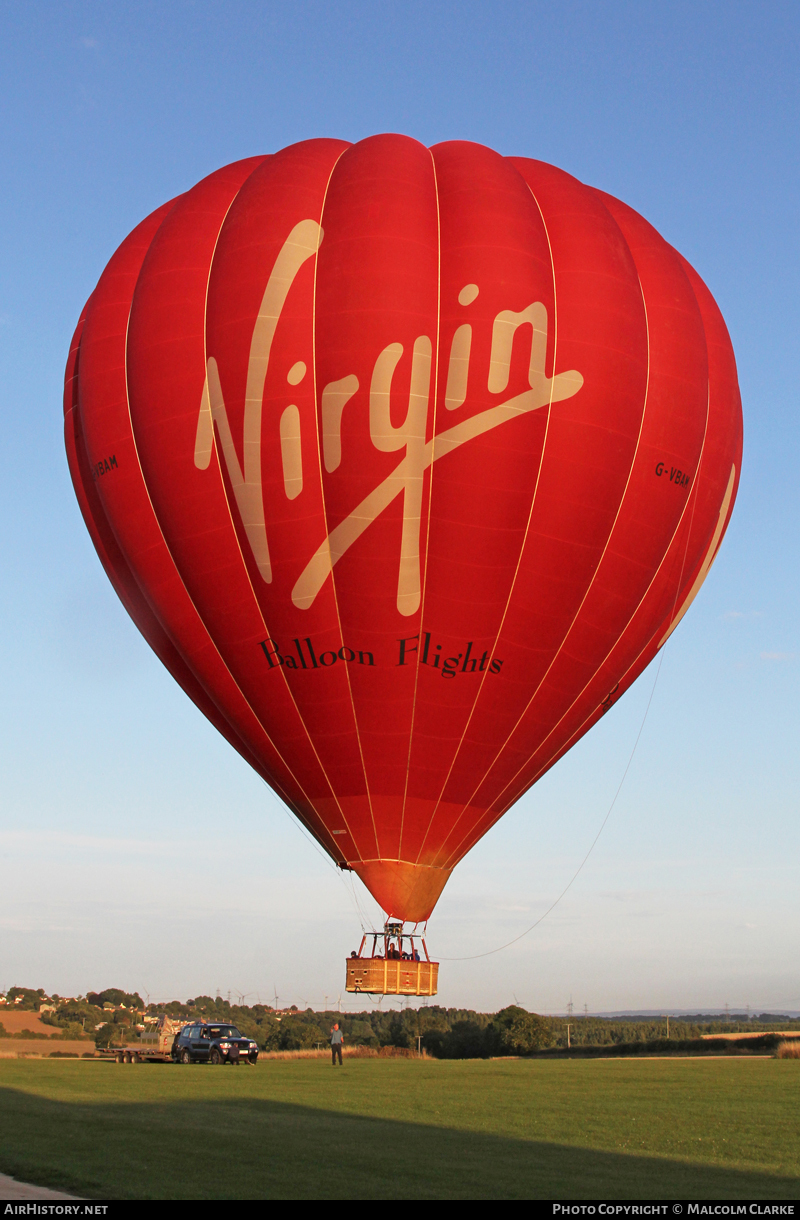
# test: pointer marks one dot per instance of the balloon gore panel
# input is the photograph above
(405, 462)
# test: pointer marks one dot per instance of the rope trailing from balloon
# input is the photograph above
(364, 919)
(575, 875)
(488, 953)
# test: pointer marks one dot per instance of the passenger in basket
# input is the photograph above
(416, 955)
(337, 1038)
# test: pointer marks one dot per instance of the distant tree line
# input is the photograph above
(115, 1017)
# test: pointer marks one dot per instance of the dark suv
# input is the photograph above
(210, 1043)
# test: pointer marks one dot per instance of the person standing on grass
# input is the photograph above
(337, 1038)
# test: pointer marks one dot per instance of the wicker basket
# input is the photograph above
(382, 976)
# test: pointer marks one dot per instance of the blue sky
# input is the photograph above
(117, 864)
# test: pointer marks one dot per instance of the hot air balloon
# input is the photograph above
(405, 462)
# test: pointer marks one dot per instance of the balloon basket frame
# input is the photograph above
(394, 966)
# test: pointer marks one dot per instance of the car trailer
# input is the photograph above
(135, 1054)
(153, 1048)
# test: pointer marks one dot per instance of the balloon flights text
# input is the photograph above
(406, 462)
(305, 657)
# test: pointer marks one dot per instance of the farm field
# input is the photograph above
(394, 1128)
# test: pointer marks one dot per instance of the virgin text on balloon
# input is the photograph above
(418, 454)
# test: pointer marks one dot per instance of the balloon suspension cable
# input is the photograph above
(367, 924)
(365, 920)
(473, 956)
(295, 821)
(352, 891)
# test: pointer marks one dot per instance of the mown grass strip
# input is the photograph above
(380, 1129)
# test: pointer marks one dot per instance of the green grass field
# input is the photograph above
(394, 1129)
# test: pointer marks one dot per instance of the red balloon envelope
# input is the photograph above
(406, 462)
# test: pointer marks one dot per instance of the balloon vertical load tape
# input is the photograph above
(396, 457)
